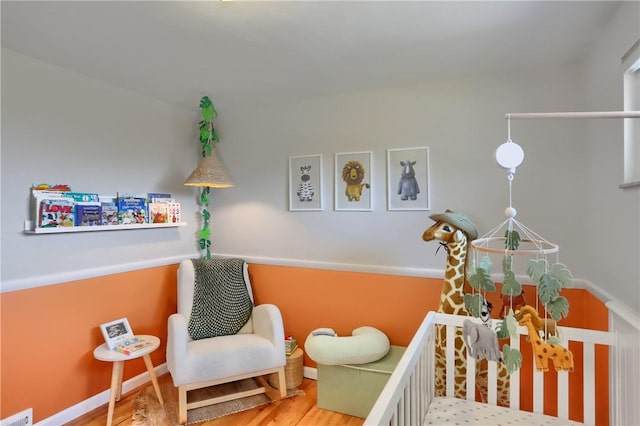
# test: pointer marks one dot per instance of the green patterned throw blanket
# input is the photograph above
(221, 302)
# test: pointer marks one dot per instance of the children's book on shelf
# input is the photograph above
(56, 212)
(156, 197)
(82, 197)
(173, 212)
(109, 213)
(88, 215)
(43, 192)
(158, 213)
(132, 210)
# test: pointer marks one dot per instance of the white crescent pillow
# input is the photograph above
(366, 344)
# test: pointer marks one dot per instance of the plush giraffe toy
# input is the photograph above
(561, 357)
(547, 326)
(454, 231)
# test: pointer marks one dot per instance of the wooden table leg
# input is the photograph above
(116, 388)
(154, 379)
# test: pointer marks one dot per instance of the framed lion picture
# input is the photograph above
(353, 181)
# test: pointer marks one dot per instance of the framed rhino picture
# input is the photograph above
(305, 183)
(353, 179)
(408, 179)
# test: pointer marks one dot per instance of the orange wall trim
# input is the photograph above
(48, 333)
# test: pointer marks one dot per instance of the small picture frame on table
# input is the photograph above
(305, 183)
(408, 179)
(115, 332)
(354, 180)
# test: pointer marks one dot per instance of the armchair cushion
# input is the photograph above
(221, 302)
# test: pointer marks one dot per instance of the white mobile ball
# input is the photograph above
(510, 212)
(509, 155)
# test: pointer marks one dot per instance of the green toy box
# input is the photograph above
(353, 389)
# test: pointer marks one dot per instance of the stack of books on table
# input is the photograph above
(290, 345)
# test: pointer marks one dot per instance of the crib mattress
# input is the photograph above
(454, 411)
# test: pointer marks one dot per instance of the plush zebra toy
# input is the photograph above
(485, 312)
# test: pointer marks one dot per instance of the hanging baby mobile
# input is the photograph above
(513, 245)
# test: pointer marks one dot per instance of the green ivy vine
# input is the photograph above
(208, 135)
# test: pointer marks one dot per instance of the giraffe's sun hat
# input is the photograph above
(459, 220)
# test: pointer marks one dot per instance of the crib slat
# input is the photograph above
(451, 359)
(471, 378)
(514, 380)
(492, 379)
(411, 391)
(563, 394)
(538, 391)
(589, 384)
(402, 409)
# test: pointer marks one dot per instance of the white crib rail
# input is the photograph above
(406, 397)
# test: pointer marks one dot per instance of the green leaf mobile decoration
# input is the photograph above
(512, 358)
(472, 302)
(510, 285)
(562, 274)
(512, 240)
(558, 308)
(485, 263)
(481, 280)
(536, 269)
(502, 329)
(508, 327)
(207, 136)
(550, 282)
(554, 340)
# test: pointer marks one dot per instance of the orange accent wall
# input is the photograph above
(312, 298)
(48, 334)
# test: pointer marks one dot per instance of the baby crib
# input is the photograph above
(408, 397)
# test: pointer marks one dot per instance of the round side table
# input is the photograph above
(293, 371)
(103, 353)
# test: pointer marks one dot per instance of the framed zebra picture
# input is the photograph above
(408, 179)
(305, 183)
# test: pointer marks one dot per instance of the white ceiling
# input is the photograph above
(265, 51)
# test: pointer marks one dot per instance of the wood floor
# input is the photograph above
(299, 410)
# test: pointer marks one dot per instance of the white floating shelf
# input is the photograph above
(66, 229)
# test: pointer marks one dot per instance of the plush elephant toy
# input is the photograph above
(481, 341)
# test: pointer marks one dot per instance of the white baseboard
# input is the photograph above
(99, 400)
(310, 373)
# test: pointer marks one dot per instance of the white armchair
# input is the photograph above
(255, 351)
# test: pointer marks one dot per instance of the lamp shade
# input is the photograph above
(210, 172)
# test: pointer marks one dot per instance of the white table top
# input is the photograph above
(103, 353)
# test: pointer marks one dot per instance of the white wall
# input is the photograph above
(612, 234)
(461, 121)
(61, 127)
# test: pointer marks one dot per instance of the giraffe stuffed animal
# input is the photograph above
(454, 231)
(561, 357)
(546, 326)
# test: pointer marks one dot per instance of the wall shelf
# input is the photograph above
(32, 231)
